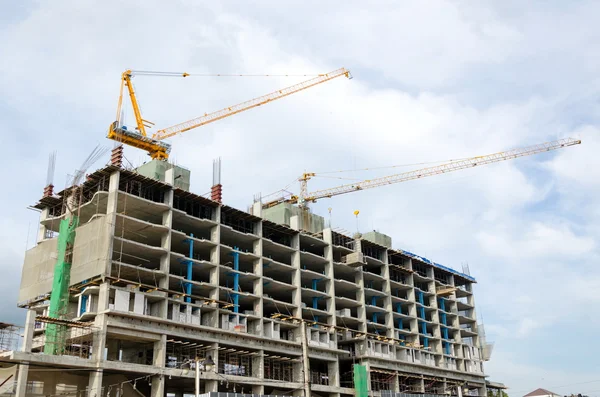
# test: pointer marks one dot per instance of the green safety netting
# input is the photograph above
(59, 296)
(360, 381)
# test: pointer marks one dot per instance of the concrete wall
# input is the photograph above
(282, 214)
(157, 169)
(378, 238)
(91, 251)
(89, 259)
(38, 270)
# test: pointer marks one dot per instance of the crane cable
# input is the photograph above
(284, 190)
(286, 193)
(337, 177)
(391, 166)
(185, 74)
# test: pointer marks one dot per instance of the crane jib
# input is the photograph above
(231, 110)
(431, 171)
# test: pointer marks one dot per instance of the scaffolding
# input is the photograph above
(382, 380)
(434, 386)
(235, 362)
(390, 393)
(319, 378)
(410, 383)
(347, 379)
(182, 352)
(70, 338)
(10, 336)
(279, 368)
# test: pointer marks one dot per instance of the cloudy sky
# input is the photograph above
(432, 81)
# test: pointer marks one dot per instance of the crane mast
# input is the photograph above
(139, 121)
(304, 198)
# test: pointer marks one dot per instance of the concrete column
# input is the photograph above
(258, 365)
(257, 209)
(298, 393)
(160, 352)
(451, 280)
(295, 222)
(396, 384)
(42, 228)
(215, 258)
(99, 338)
(330, 288)
(213, 352)
(157, 389)
(111, 216)
(482, 391)
(422, 385)
(387, 301)
(21, 387)
(95, 383)
(159, 360)
(296, 278)
(113, 190)
(258, 372)
(412, 310)
(458, 337)
(258, 389)
(305, 360)
(170, 175)
(360, 297)
(258, 284)
(165, 260)
(28, 334)
(333, 371)
(103, 297)
(360, 292)
(210, 385)
(437, 345)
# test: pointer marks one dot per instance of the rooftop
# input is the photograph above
(541, 392)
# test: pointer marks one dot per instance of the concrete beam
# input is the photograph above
(204, 333)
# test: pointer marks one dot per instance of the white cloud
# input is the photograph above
(580, 166)
(530, 377)
(538, 241)
(526, 327)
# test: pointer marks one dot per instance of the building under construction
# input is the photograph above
(135, 281)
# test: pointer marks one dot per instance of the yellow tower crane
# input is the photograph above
(154, 145)
(304, 198)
